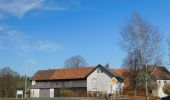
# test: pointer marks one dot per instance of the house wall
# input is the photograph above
(98, 81)
(159, 90)
(34, 93)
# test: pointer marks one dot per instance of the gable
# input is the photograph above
(108, 72)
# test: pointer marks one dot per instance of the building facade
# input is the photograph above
(161, 76)
(74, 82)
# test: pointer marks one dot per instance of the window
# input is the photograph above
(57, 83)
(94, 84)
(94, 80)
(98, 70)
(159, 82)
(165, 82)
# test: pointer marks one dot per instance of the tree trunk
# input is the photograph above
(135, 92)
(146, 90)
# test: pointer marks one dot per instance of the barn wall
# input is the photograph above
(61, 84)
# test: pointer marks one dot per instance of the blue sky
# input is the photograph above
(41, 34)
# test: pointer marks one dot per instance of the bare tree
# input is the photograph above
(168, 49)
(8, 81)
(75, 62)
(133, 65)
(141, 39)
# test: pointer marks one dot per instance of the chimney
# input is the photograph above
(107, 65)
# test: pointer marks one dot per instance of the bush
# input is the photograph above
(166, 89)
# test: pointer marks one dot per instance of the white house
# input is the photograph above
(100, 81)
(75, 82)
(162, 76)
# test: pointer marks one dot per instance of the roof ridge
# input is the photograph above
(66, 68)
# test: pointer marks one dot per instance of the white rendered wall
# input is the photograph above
(102, 82)
(34, 93)
(159, 92)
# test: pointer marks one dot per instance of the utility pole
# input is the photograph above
(25, 92)
(146, 84)
(26, 81)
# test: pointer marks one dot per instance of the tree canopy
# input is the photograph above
(75, 62)
(141, 41)
(8, 81)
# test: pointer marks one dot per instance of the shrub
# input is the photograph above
(166, 89)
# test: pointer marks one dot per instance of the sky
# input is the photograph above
(42, 34)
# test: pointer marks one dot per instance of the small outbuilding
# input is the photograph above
(19, 93)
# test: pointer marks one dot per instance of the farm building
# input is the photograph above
(160, 74)
(82, 81)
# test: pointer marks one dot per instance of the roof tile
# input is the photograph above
(66, 73)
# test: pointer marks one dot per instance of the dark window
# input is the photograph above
(57, 83)
(164, 82)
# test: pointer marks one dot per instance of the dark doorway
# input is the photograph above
(56, 92)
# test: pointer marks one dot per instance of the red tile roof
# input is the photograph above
(43, 74)
(119, 71)
(66, 73)
(161, 73)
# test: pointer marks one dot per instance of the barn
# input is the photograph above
(81, 81)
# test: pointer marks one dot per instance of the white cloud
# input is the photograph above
(31, 61)
(21, 7)
(13, 39)
(46, 46)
